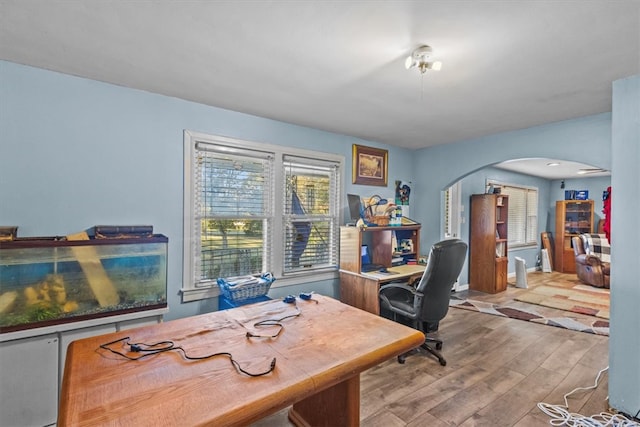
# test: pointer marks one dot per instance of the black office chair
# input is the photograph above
(423, 306)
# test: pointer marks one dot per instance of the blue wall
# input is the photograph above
(82, 152)
(624, 342)
(75, 153)
(475, 184)
(585, 140)
(595, 186)
(548, 192)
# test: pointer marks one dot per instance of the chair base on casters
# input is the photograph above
(438, 344)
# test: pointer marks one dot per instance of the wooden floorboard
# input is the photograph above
(498, 369)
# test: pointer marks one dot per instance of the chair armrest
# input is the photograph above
(593, 261)
(581, 259)
(403, 286)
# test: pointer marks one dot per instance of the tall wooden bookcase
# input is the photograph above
(573, 217)
(488, 243)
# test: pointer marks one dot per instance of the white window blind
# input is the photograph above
(251, 207)
(310, 217)
(532, 217)
(447, 213)
(523, 214)
(451, 214)
(233, 211)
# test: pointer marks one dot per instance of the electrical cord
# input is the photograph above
(560, 416)
(146, 350)
(274, 322)
(289, 299)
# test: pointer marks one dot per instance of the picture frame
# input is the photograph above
(370, 165)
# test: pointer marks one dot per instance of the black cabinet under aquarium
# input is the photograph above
(49, 281)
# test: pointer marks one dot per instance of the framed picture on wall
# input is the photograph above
(370, 165)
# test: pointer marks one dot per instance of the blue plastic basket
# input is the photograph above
(245, 287)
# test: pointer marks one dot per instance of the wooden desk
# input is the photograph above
(361, 290)
(320, 355)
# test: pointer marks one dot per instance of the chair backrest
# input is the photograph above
(446, 259)
(597, 245)
(578, 246)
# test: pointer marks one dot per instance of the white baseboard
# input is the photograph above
(529, 270)
(459, 287)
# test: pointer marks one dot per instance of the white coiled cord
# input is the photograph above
(560, 416)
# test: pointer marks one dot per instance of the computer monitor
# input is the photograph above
(364, 253)
(367, 265)
(354, 207)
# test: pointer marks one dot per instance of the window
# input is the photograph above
(523, 214)
(452, 211)
(251, 208)
(311, 214)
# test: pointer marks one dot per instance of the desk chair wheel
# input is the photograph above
(437, 342)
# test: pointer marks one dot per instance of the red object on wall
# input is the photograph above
(607, 214)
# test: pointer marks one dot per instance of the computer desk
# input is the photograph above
(319, 357)
(361, 289)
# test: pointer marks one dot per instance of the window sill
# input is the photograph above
(302, 279)
(213, 291)
(523, 247)
(195, 294)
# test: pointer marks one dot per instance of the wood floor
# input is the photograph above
(498, 369)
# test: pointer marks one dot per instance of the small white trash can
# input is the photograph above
(521, 273)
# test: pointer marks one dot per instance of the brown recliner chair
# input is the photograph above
(591, 269)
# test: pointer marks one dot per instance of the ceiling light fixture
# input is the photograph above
(421, 58)
(585, 171)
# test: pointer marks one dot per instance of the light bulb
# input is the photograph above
(436, 66)
(408, 63)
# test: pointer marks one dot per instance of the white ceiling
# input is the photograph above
(339, 66)
(552, 169)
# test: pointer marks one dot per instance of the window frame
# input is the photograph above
(526, 244)
(451, 214)
(191, 290)
(308, 167)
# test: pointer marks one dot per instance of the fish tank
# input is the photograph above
(53, 280)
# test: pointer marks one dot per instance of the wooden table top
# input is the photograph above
(327, 343)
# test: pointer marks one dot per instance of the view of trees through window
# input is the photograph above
(235, 202)
(308, 224)
(259, 208)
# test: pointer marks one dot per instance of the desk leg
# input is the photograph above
(336, 406)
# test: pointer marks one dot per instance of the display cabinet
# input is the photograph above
(488, 261)
(573, 217)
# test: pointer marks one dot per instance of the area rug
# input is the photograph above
(577, 298)
(598, 327)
